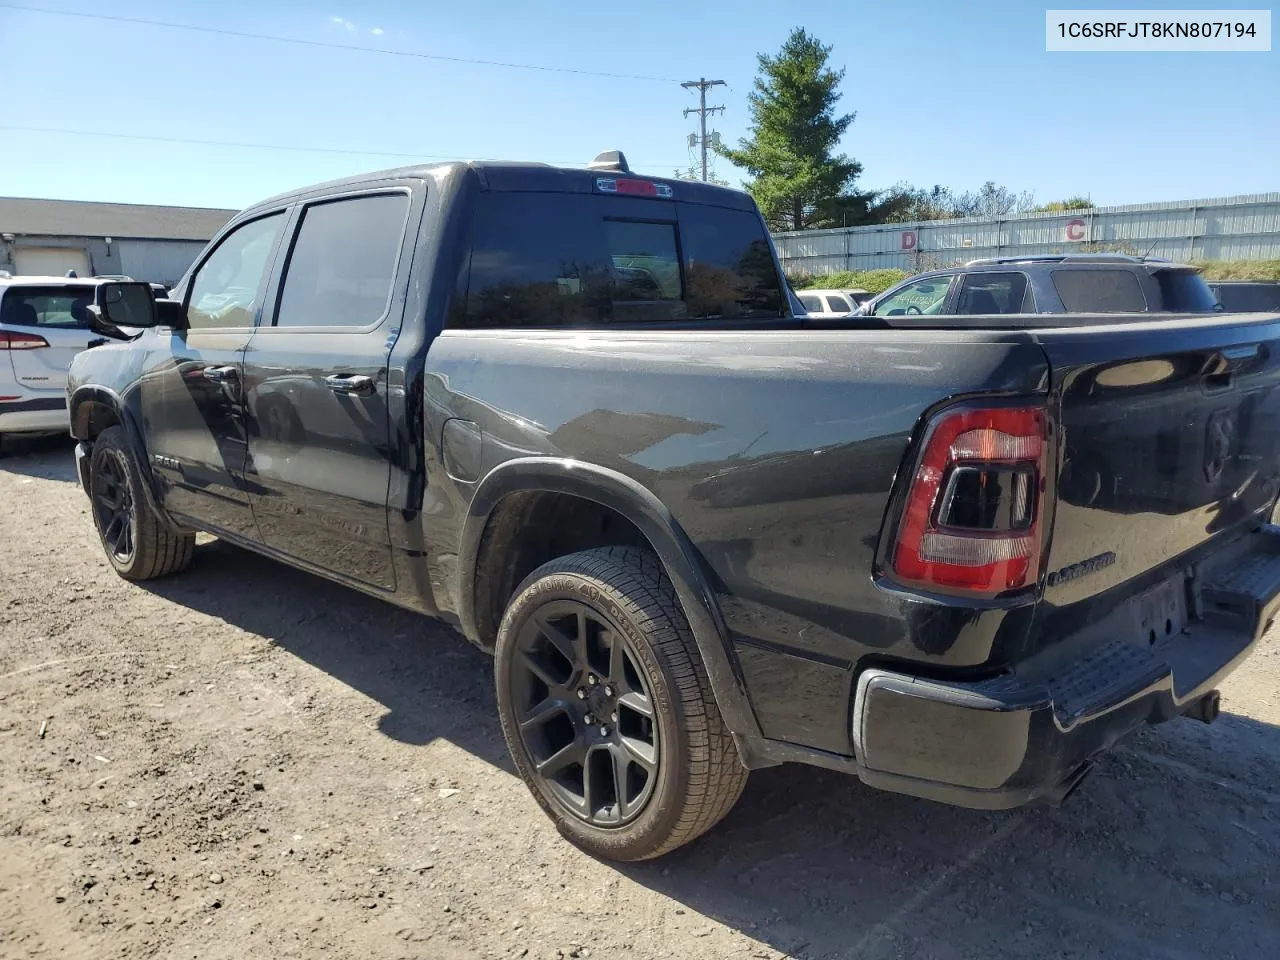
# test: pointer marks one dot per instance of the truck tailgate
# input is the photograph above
(1169, 448)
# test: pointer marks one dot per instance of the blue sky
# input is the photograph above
(945, 93)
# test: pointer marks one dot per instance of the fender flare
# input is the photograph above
(105, 395)
(651, 517)
(94, 393)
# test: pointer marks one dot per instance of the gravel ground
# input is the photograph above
(246, 761)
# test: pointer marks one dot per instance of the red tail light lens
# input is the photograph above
(972, 515)
(21, 341)
(634, 188)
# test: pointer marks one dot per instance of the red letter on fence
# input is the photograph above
(908, 239)
(1075, 229)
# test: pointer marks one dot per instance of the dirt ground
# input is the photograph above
(245, 761)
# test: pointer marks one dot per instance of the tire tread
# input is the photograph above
(715, 774)
(158, 550)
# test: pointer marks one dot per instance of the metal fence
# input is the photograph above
(1229, 228)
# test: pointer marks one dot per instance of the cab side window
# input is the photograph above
(225, 290)
(343, 262)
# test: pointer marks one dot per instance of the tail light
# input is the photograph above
(972, 520)
(21, 341)
(633, 188)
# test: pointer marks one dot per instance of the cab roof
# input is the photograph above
(522, 177)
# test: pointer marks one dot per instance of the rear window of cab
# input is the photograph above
(563, 260)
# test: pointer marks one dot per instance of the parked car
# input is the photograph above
(1247, 296)
(1076, 283)
(827, 304)
(44, 323)
(701, 535)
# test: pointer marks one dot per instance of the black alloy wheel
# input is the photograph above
(113, 507)
(607, 709)
(585, 713)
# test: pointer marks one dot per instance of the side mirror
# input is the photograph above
(170, 313)
(120, 306)
(123, 304)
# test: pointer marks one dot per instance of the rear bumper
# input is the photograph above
(34, 415)
(1032, 734)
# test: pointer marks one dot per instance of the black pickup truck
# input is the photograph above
(572, 413)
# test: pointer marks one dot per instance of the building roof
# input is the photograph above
(78, 218)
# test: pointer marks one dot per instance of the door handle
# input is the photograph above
(350, 384)
(220, 374)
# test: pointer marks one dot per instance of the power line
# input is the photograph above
(330, 45)
(702, 86)
(151, 138)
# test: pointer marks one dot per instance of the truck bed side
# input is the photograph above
(775, 453)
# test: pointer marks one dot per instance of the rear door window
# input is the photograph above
(343, 262)
(555, 260)
(991, 293)
(1099, 291)
(50, 308)
(812, 303)
(838, 304)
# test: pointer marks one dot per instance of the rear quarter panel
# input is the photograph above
(775, 451)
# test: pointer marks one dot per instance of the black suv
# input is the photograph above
(1082, 283)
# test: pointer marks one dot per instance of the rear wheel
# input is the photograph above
(607, 709)
(138, 542)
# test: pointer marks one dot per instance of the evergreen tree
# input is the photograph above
(797, 179)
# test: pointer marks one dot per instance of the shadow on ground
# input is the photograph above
(432, 682)
(48, 458)
(1169, 850)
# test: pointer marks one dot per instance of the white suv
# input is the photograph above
(44, 322)
(832, 304)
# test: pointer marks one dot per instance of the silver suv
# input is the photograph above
(1080, 283)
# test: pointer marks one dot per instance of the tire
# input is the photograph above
(679, 772)
(139, 543)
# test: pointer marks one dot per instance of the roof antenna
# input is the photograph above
(610, 160)
(72, 275)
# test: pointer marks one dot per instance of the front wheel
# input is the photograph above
(607, 709)
(139, 543)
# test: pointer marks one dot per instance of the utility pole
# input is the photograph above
(702, 86)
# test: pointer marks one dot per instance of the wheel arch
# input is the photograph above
(93, 408)
(660, 531)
